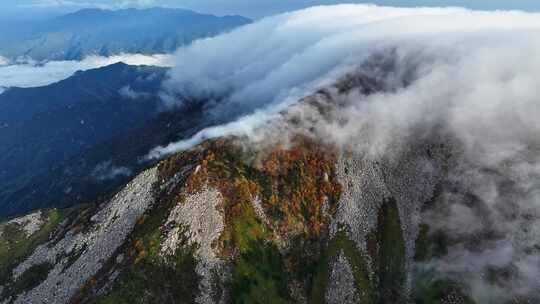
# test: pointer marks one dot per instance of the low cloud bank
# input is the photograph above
(279, 60)
(3, 61)
(129, 93)
(28, 73)
(471, 76)
(106, 171)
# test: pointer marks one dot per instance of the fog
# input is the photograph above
(469, 75)
(305, 50)
(3, 61)
(26, 72)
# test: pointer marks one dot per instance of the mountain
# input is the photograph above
(42, 127)
(205, 225)
(106, 32)
(233, 220)
(102, 167)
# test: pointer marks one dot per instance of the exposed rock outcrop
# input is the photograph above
(200, 218)
(80, 254)
(341, 287)
(30, 223)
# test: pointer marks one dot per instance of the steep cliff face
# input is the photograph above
(300, 219)
(301, 222)
(222, 223)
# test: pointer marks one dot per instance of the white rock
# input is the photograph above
(110, 228)
(341, 285)
(30, 223)
(202, 215)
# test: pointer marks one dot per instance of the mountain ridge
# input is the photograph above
(251, 228)
(45, 126)
(108, 32)
(293, 219)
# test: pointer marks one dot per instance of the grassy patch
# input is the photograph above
(145, 276)
(148, 277)
(422, 247)
(258, 271)
(296, 187)
(15, 245)
(154, 281)
(431, 244)
(298, 183)
(364, 286)
(259, 276)
(429, 289)
(31, 278)
(391, 255)
(244, 230)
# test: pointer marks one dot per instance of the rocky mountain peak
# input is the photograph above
(298, 219)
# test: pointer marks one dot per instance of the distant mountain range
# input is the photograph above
(105, 32)
(42, 127)
(64, 143)
(68, 142)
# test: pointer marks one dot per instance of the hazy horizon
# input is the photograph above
(20, 9)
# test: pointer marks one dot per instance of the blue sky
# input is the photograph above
(250, 8)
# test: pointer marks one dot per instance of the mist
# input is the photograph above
(26, 72)
(306, 50)
(470, 76)
(3, 61)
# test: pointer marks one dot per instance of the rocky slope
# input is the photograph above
(44, 127)
(223, 224)
(299, 220)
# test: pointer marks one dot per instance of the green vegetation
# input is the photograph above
(391, 255)
(245, 230)
(429, 288)
(258, 272)
(148, 277)
(431, 244)
(157, 282)
(422, 247)
(15, 244)
(432, 290)
(296, 187)
(31, 278)
(341, 243)
(259, 276)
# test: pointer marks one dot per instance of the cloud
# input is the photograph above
(308, 49)
(128, 93)
(247, 126)
(3, 61)
(107, 171)
(387, 79)
(29, 73)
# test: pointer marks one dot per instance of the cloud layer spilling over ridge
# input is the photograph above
(472, 76)
(29, 73)
(280, 59)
